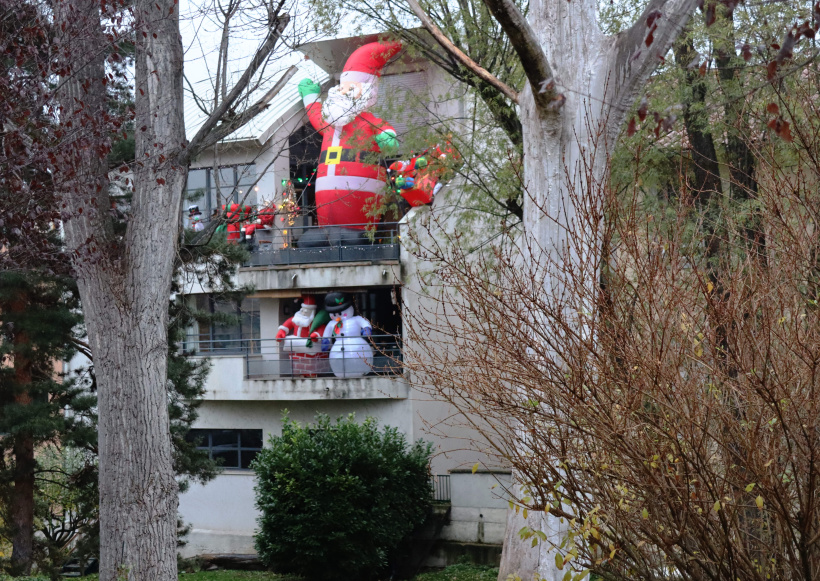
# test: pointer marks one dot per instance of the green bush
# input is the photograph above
(338, 498)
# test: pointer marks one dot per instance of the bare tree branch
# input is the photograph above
(638, 50)
(526, 44)
(462, 58)
(210, 125)
(197, 100)
(83, 348)
(221, 131)
(491, 94)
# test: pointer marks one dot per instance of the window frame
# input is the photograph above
(207, 444)
(245, 333)
(240, 174)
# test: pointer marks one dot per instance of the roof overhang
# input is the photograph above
(331, 55)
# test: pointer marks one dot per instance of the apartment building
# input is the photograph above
(255, 375)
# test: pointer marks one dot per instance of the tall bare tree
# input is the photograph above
(581, 85)
(123, 251)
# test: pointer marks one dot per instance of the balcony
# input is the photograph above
(310, 245)
(259, 369)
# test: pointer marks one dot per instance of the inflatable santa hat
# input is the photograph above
(366, 63)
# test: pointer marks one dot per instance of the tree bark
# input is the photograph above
(566, 155)
(704, 154)
(22, 498)
(125, 281)
(22, 509)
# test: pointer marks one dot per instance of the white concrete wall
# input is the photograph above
(324, 277)
(478, 513)
(268, 318)
(458, 444)
(222, 513)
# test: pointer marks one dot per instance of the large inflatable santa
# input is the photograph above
(348, 181)
(306, 354)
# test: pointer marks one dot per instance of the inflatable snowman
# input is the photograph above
(351, 355)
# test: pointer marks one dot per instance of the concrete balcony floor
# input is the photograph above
(227, 382)
(320, 276)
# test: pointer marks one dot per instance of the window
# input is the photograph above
(304, 147)
(230, 448)
(210, 190)
(237, 331)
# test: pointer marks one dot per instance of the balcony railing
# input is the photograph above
(316, 244)
(348, 357)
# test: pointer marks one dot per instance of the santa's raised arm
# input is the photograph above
(347, 180)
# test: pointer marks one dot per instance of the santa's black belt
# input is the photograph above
(334, 155)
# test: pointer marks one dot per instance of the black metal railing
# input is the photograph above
(344, 357)
(297, 244)
(440, 484)
(228, 345)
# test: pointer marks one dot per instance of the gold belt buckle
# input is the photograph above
(334, 155)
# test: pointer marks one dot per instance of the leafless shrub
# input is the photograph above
(653, 375)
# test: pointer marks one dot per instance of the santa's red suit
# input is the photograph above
(295, 335)
(347, 183)
(236, 214)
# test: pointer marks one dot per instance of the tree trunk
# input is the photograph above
(22, 498)
(739, 156)
(138, 492)
(704, 155)
(125, 281)
(566, 160)
(22, 509)
(520, 557)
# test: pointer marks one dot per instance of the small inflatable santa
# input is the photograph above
(348, 181)
(419, 178)
(295, 334)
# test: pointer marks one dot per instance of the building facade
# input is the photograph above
(256, 377)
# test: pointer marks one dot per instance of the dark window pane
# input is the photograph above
(200, 437)
(224, 439)
(226, 334)
(226, 185)
(249, 322)
(247, 458)
(197, 183)
(197, 179)
(246, 174)
(250, 438)
(226, 459)
(224, 445)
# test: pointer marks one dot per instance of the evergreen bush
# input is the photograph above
(338, 498)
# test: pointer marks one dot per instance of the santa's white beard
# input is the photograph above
(340, 109)
(303, 319)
